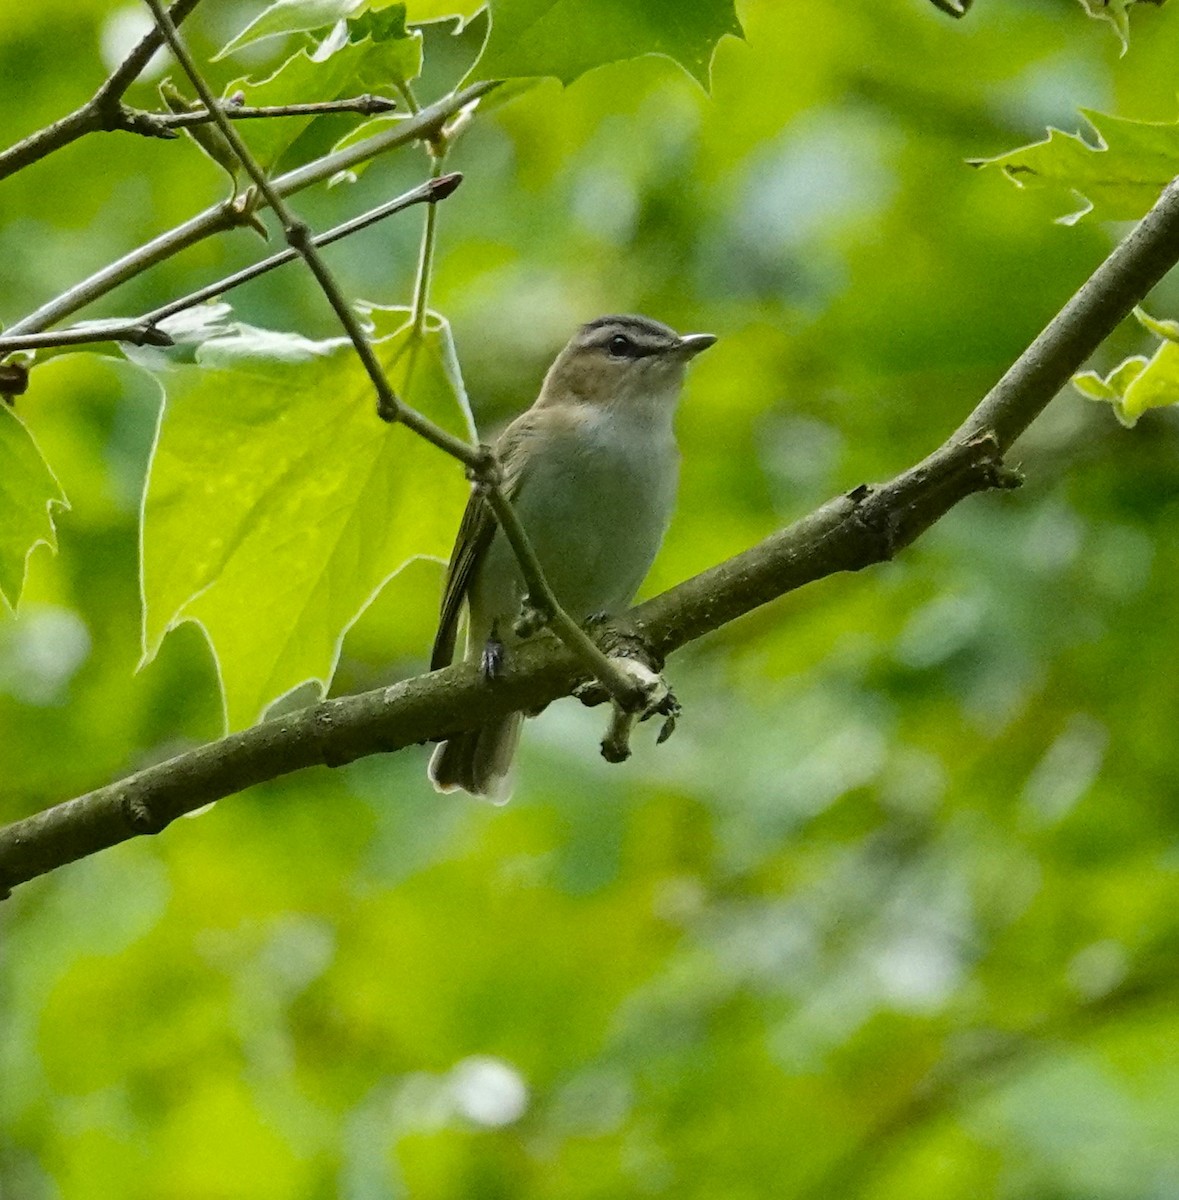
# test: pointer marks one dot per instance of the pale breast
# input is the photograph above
(595, 504)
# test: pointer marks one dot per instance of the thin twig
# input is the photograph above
(139, 331)
(220, 217)
(366, 105)
(389, 406)
(430, 191)
(540, 594)
(103, 111)
(299, 237)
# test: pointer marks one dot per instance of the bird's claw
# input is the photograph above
(532, 619)
(657, 700)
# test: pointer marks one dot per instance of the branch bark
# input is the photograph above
(867, 525)
(103, 111)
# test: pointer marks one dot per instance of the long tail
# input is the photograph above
(479, 761)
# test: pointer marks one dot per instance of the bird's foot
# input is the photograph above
(657, 700)
(532, 619)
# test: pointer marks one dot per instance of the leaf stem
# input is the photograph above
(421, 290)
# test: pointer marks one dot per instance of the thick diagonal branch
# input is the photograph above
(868, 525)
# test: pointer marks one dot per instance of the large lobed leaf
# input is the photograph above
(566, 38)
(1118, 178)
(278, 504)
(28, 493)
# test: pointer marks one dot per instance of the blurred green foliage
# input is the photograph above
(892, 915)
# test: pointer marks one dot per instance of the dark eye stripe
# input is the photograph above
(621, 345)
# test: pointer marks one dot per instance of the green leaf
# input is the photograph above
(1138, 383)
(377, 53)
(566, 38)
(1117, 179)
(28, 493)
(278, 504)
(289, 16)
(1163, 329)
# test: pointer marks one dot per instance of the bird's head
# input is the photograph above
(622, 360)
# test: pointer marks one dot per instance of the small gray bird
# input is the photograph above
(591, 468)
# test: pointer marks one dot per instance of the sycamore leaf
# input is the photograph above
(566, 38)
(374, 53)
(278, 504)
(1118, 178)
(28, 494)
(289, 16)
(1139, 383)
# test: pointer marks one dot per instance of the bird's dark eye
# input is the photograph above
(620, 346)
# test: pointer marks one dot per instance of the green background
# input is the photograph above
(892, 915)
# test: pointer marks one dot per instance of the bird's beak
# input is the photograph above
(692, 343)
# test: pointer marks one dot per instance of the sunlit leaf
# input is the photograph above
(28, 494)
(566, 38)
(289, 16)
(1116, 178)
(1138, 383)
(278, 504)
(376, 53)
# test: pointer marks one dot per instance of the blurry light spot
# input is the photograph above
(593, 1104)
(1045, 93)
(43, 650)
(1098, 969)
(1054, 539)
(120, 34)
(800, 454)
(913, 782)
(1120, 563)
(849, 759)
(823, 173)
(938, 630)
(605, 204)
(1067, 770)
(488, 1092)
(917, 972)
(298, 951)
(678, 900)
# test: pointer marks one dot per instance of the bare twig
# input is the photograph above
(138, 331)
(429, 192)
(389, 406)
(299, 237)
(366, 105)
(540, 594)
(221, 217)
(103, 111)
